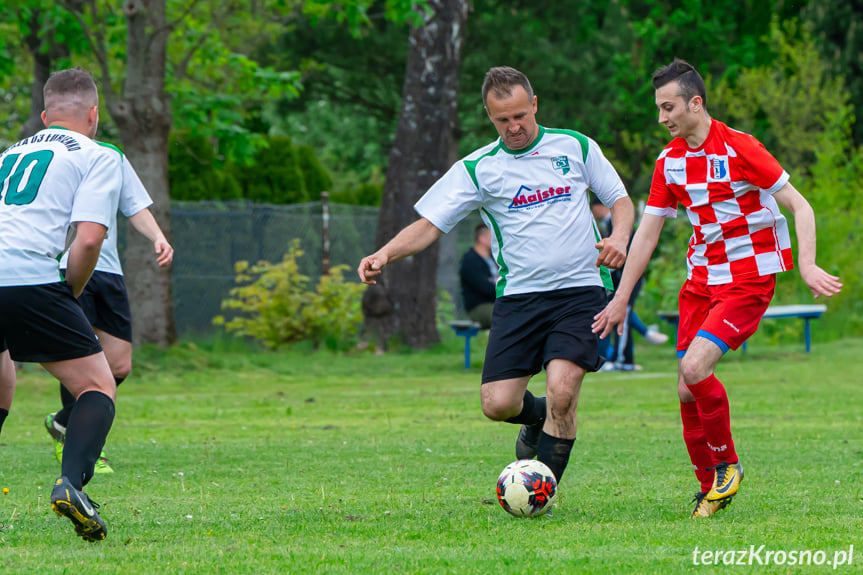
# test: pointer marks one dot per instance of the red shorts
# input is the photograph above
(726, 314)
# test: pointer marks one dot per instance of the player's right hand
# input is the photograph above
(164, 252)
(370, 267)
(613, 315)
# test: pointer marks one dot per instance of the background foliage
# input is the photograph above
(275, 101)
(275, 307)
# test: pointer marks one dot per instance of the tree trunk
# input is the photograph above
(403, 302)
(44, 49)
(143, 117)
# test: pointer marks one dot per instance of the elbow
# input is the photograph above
(91, 243)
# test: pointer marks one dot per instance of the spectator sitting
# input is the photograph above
(478, 275)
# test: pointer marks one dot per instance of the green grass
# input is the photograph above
(304, 462)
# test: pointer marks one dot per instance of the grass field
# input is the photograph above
(306, 462)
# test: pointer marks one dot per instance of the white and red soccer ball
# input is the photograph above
(526, 488)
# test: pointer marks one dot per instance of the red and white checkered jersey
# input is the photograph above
(727, 188)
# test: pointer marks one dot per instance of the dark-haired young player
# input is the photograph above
(731, 188)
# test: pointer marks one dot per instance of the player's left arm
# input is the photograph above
(145, 224)
(819, 281)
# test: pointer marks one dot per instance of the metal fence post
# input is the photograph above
(325, 232)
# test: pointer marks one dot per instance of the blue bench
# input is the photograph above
(804, 312)
(466, 329)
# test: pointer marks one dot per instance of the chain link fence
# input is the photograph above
(210, 237)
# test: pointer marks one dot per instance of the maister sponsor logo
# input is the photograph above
(527, 197)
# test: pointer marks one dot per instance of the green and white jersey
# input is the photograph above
(49, 182)
(133, 198)
(536, 204)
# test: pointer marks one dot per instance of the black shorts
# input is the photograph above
(106, 304)
(529, 330)
(45, 323)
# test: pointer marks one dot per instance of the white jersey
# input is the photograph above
(536, 204)
(49, 182)
(133, 198)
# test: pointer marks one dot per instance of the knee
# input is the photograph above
(121, 370)
(690, 372)
(499, 408)
(560, 402)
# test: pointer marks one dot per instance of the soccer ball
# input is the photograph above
(526, 488)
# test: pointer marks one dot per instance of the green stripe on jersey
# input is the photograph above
(604, 272)
(112, 146)
(582, 140)
(504, 270)
(470, 165)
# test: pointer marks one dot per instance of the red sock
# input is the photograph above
(712, 402)
(696, 444)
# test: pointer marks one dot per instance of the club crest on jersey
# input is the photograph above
(718, 169)
(528, 198)
(560, 164)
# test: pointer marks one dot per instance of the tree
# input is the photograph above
(141, 107)
(403, 302)
(837, 25)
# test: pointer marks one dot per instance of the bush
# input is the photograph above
(277, 173)
(316, 178)
(191, 173)
(275, 176)
(367, 194)
(276, 307)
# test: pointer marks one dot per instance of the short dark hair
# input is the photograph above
(479, 230)
(687, 77)
(501, 80)
(70, 87)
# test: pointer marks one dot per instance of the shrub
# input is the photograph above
(275, 307)
(316, 178)
(275, 176)
(277, 173)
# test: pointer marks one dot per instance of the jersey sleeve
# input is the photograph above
(660, 201)
(100, 184)
(602, 178)
(450, 199)
(760, 168)
(133, 195)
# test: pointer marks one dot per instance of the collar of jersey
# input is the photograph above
(527, 149)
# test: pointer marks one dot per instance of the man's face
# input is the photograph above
(679, 116)
(514, 118)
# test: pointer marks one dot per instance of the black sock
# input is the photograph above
(532, 411)
(86, 433)
(554, 452)
(3, 414)
(68, 400)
